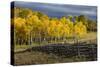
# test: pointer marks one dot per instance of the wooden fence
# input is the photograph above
(88, 51)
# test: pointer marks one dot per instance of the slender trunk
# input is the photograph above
(55, 39)
(14, 38)
(30, 38)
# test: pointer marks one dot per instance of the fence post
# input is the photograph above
(78, 47)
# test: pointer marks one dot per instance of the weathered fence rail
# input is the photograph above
(89, 51)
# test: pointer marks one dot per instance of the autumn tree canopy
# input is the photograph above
(34, 26)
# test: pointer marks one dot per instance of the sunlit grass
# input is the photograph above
(89, 36)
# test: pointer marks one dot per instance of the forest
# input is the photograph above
(30, 26)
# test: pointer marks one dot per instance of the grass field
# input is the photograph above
(91, 36)
(40, 57)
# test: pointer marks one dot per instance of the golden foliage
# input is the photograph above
(41, 25)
